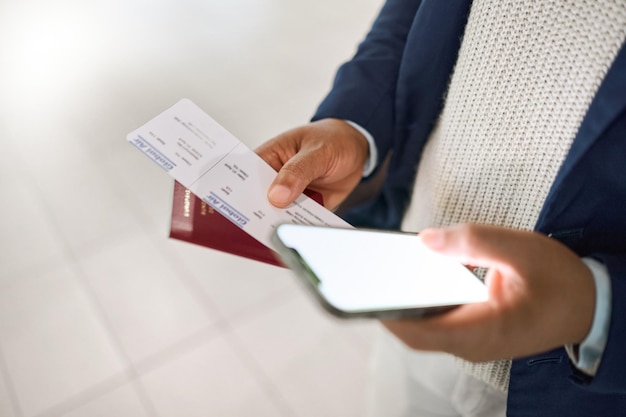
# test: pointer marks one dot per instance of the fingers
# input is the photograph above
(536, 285)
(480, 245)
(463, 331)
(328, 155)
(505, 252)
(278, 150)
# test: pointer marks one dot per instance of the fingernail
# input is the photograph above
(433, 238)
(279, 195)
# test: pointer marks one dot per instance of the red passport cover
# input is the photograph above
(195, 221)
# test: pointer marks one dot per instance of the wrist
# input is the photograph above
(587, 355)
(371, 161)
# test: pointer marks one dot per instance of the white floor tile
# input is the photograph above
(280, 335)
(53, 343)
(144, 298)
(234, 284)
(87, 208)
(145, 188)
(210, 380)
(304, 382)
(122, 402)
(301, 348)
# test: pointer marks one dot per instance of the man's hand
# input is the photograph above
(541, 296)
(328, 155)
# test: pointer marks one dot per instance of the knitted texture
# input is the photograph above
(526, 74)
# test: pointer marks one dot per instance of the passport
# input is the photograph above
(197, 222)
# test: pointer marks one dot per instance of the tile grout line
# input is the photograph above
(94, 391)
(156, 360)
(246, 314)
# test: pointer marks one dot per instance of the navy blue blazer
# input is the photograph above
(394, 87)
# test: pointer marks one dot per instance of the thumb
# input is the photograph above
(294, 176)
(477, 245)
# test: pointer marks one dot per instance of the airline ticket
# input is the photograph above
(203, 156)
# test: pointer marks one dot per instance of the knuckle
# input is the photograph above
(468, 238)
(295, 168)
(296, 172)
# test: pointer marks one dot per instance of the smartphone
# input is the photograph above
(373, 273)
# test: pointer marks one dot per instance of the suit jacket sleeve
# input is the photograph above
(610, 375)
(364, 87)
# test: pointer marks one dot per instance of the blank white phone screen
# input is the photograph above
(366, 270)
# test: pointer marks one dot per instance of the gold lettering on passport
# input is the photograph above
(187, 203)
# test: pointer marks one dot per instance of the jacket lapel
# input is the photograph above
(608, 104)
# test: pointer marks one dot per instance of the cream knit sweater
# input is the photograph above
(526, 74)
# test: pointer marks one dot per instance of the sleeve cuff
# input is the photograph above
(587, 356)
(370, 165)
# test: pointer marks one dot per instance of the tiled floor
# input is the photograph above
(100, 313)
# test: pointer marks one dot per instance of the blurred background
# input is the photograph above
(100, 313)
